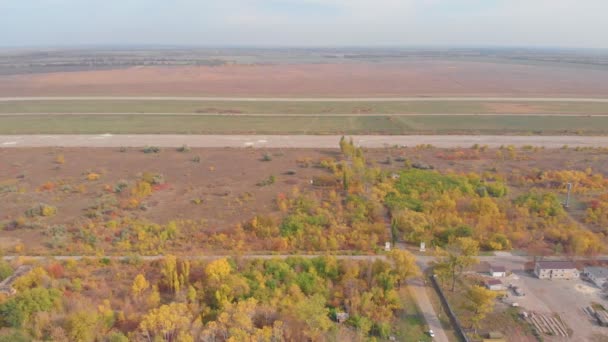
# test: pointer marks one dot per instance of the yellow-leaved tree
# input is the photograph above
(218, 269)
(170, 322)
(404, 265)
(480, 303)
(140, 284)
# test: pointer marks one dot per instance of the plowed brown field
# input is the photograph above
(420, 78)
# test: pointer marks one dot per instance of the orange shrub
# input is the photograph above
(56, 270)
(48, 186)
(92, 176)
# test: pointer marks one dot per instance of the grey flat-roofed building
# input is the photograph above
(597, 275)
(556, 270)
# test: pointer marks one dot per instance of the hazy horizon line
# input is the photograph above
(300, 47)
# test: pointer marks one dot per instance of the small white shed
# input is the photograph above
(494, 285)
(498, 271)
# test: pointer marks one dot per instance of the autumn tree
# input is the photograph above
(140, 284)
(455, 258)
(235, 322)
(480, 302)
(314, 314)
(218, 269)
(169, 276)
(347, 147)
(175, 275)
(81, 326)
(153, 298)
(167, 323)
(404, 264)
(414, 226)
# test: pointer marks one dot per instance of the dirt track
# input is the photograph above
(292, 141)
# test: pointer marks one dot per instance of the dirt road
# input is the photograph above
(293, 141)
(426, 308)
(306, 99)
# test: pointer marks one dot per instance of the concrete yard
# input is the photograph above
(567, 298)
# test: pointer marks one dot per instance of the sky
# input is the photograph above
(526, 23)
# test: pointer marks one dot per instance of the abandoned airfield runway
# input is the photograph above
(293, 141)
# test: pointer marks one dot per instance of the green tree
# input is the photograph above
(116, 337)
(18, 309)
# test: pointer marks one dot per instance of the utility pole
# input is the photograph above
(567, 203)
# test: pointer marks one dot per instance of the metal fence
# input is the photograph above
(448, 310)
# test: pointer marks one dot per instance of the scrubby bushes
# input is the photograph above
(7, 188)
(59, 236)
(431, 207)
(151, 149)
(120, 186)
(5, 269)
(92, 176)
(153, 178)
(325, 181)
(268, 181)
(184, 148)
(41, 209)
(59, 159)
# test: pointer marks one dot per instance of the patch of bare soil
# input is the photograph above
(513, 108)
(8, 242)
(218, 111)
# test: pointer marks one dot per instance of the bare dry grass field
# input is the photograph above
(227, 194)
(218, 188)
(413, 78)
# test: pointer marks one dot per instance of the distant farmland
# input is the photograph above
(424, 77)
